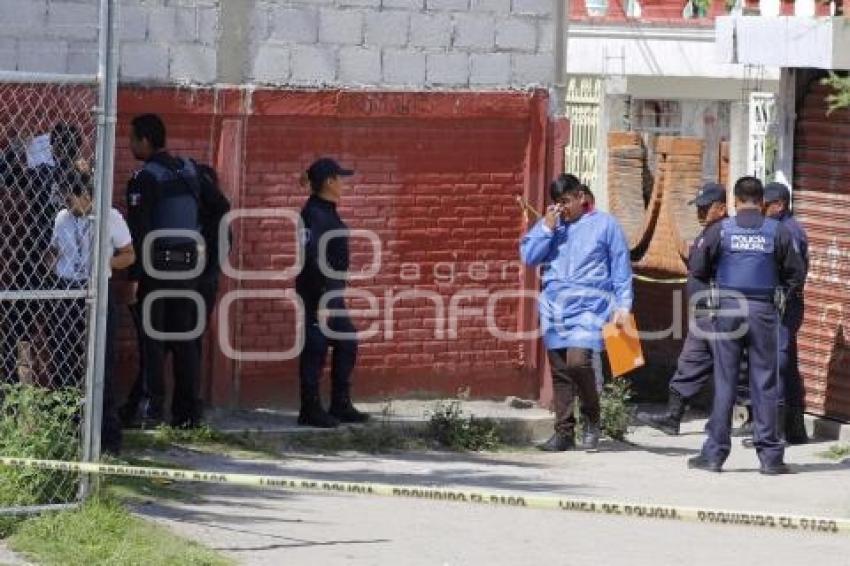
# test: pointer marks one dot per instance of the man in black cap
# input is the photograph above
(695, 366)
(777, 201)
(321, 285)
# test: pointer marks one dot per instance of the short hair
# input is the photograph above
(749, 189)
(150, 127)
(564, 184)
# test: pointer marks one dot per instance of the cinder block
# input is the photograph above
(208, 25)
(533, 7)
(43, 56)
(410, 5)
(186, 25)
(387, 28)
(545, 36)
(144, 61)
(340, 26)
(162, 24)
(23, 18)
(454, 5)
(133, 23)
(313, 65)
(532, 70)
(8, 54)
(71, 21)
(193, 64)
(261, 24)
(428, 30)
(517, 34)
(272, 64)
(404, 68)
(82, 58)
(359, 66)
(448, 69)
(493, 6)
(492, 69)
(474, 31)
(298, 25)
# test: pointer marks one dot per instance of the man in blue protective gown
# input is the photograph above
(587, 281)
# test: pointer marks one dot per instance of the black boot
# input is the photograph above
(342, 409)
(558, 443)
(795, 426)
(669, 421)
(590, 436)
(312, 414)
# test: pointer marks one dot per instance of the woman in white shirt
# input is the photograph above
(71, 254)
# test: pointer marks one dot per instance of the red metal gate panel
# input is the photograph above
(822, 201)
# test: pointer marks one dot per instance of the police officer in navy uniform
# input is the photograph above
(777, 200)
(164, 195)
(326, 325)
(696, 364)
(749, 258)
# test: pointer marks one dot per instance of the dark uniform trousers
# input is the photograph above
(695, 366)
(572, 374)
(171, 315)
(315, 351)
(756, 329)
(788, 360)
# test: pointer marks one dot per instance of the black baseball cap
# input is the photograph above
(776, 191)
(325, 168)
(709, 194)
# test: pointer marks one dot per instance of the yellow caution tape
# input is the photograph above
(777, 522)
(678, 281)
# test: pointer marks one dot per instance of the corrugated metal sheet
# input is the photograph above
(822, 201)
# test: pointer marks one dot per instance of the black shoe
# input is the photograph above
(316, 417)
(702, 463)
(558, 443)
(775, 470)
(665, 422)
(748, 442)
(345, 412)
(129, 416)
(590, 437)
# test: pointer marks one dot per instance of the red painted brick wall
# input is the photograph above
(436, 179)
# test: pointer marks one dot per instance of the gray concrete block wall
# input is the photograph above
(409, 44)
(161, 40)
(454, 44)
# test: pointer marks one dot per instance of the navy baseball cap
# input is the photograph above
(325, 168)
(776, 191)
(709, 194)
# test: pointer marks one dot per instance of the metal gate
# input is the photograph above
(56, 147)
(761, 149)
(582, 109)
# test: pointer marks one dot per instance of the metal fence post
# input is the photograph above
(99, 285)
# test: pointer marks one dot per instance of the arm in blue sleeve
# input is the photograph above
(536, 246)
(621, 266)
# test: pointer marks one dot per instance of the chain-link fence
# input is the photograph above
(47, 141)
(56, 147)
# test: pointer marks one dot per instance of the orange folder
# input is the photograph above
(623, 346)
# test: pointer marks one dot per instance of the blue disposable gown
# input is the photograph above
(586, 275)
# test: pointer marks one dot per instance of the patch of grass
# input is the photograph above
(130, 488)
(203, 438)
(616, 414)
(36, 422)
(836, 452)
(103, 532)
(449, 428)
